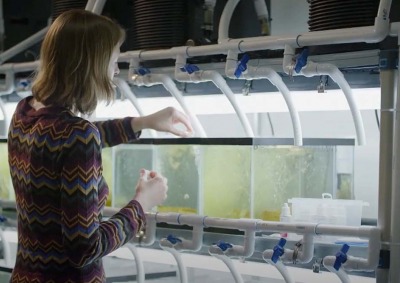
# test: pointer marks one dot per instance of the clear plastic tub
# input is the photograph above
(327, 210)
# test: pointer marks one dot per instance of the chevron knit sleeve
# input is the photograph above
(117, 131)
(85, 238)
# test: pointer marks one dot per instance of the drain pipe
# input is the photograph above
(235, 69)
(90, 4)
(98, 6)
(225, 251)
(144, 238)
(191, 73)
(128, 93)
(174, 244)
(309, 68)
(142, 77)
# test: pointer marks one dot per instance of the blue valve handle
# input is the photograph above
(142, 71)
(341, 257)
(3, 219)
(173, 240)
(223, 245)
(189, 68)
(241, 65)
(278, 250)
(301, 60)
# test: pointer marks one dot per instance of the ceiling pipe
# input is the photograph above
(370, 34)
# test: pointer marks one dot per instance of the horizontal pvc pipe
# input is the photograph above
(367, 34)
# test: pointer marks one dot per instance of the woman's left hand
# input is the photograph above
(164, 120)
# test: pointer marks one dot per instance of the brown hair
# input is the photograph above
(74, 60)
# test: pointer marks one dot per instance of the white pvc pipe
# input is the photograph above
(344, 278)
(98, 6)
(140, 273)
(127, 92)
(395, 225)
(316, 69)
(231, 266)
(16, 49)
(90, 5)
(182, 272)
(220, 82)
(170, 86)
(282, 270)
(225, 20)
(268, 73)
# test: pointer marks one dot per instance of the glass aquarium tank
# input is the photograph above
(233, 177)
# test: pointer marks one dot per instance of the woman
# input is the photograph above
(55, 156)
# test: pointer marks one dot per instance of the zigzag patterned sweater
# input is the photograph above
(56, 169)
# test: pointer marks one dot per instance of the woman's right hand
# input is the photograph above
(151, 189)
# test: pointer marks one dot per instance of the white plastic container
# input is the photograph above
(327, 210)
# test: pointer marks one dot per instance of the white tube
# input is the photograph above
(282, 270)
(19, 67)
(225, 20)
(182, 273)
(395, 226)
(89, 5)
(344, 278)
(220, 82)
(98, 6)
(229, 263)
(337, 76)
(170, 86)
(127, 92)
(140, 273)
(261, 9)
(268, 73)
(313, 69)
(26, 43)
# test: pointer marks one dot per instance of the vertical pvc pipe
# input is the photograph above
(140, 273)
(225, 20)
(98, 6)
(231, 266)
(395, 223)
(387, 78)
